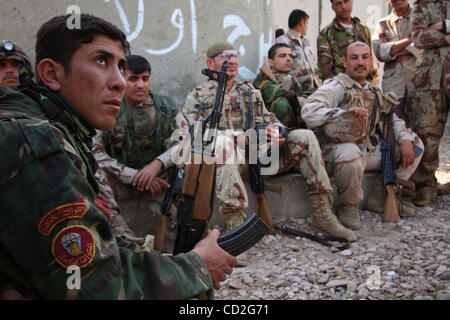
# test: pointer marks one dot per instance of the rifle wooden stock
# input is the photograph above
(272, 187)
(160, 237)
(390, 205)
(205, 190)
(264, 212)
(268, 72)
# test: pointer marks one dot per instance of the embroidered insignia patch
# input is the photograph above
(72, 210)
(74, 245)
(324, 46)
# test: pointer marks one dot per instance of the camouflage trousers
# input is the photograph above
(430, 109)
(346, 163)
(303, 154)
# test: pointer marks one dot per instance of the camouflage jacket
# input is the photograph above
(235, 106)
(281, 97)
(433, 63)
(338, 95)
(398, 70)
(305, 60)
(331, 44)
(49, 220)
(140, 135)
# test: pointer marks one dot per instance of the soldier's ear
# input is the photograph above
(210, 63)
(270, 61)
(50, 73)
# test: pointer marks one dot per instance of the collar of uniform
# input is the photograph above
(279, 76)
(148, 102)
(337, 25)
(53, 103)
(357, 84)
(294, 34)
(215, 84)
(405, 16)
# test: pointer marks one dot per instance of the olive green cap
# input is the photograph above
(218, 47)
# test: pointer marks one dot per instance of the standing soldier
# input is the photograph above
(46, 135)
(15, 65)
(348, 112)
(392, 44)
(305, 60)
(334, 39)
(430, 23)
(136, 152)
(303, 149)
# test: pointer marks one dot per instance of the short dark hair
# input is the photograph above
(273, 49)
(56, 41)
(296, 16)
(279, 32)
(138, 64)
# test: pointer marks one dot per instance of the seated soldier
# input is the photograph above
(348, 114)
(302, 152)
(136, 152)
(281, 92)
(15, 65)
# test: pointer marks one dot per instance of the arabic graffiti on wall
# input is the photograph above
(235, 23)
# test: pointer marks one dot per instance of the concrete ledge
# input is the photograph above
(142, 214)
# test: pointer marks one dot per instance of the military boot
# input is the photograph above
(325, 220)
(349, 216)
(424, 196)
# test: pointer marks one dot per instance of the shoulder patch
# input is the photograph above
(74, 245)
(72, 210)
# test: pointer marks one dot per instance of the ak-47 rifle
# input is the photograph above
(391, 213)
(195, 205)
(173, 196)
(257, 182)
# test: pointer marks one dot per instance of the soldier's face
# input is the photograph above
(233, 62)
(398, 4)
(137, 87)
(282, 62)
(9, 72)
(342, 8)
(95, 85)
(358, 63)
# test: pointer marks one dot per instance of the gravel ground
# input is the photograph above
(405, 260)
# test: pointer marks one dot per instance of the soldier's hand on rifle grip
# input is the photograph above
(218, 261)
(406, 153)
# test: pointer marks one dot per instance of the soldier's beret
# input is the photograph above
(217, 48)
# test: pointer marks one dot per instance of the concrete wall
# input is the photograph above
(172, 34)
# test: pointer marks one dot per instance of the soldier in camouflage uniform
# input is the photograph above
(15, 65)
(303, 149)
(305, 60)
(50, 219)
(136, 152)
(348, 114)
(282, 93)
(392, 44)
(335, 37)
(430, 23)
